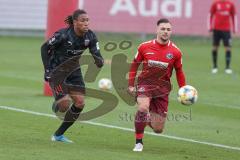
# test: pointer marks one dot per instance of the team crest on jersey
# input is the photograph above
(86, 42)
(169, 56)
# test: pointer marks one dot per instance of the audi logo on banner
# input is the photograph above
(189, 17)
(153, 8)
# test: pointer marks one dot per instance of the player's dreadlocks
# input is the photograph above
(69, 19)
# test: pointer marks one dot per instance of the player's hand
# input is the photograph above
(47, 75)
(99, 62)
(131, 90)
(210, 32)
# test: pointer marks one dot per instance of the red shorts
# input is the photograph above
(158, 95)
(159, 105)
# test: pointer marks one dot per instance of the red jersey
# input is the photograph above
(223, 16)
(158, 63)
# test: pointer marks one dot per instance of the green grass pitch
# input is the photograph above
(213, 120)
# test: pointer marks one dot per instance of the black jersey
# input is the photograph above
(65, 44)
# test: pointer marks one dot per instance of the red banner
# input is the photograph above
(189, 17)
(58, 10)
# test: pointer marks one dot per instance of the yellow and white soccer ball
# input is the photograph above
(187, 95)
(105, 84)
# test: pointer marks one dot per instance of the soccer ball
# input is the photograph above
(187, 95)
(105, 84)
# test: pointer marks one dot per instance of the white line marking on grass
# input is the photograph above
(222, 105)
(126, 129)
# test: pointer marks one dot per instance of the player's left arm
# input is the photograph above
(95, 51)
(234, 18)
(179, 70)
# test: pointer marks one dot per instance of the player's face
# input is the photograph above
(164, 31)
(81, 25)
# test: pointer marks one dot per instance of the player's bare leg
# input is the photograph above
(141, 119)
(157, 122)
(62, 104)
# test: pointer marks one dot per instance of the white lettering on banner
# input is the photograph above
(123, 5)
(167, 8)
(171, 13)
(153, 11)
(188, 8)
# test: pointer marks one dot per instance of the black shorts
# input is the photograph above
(224, 35)
(63, 84)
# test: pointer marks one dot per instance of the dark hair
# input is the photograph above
(163, 20)
(69, 19)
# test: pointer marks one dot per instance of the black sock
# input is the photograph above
(214, 58)
(71, 116)
(139, 141)
(55, 107)
(228, 59)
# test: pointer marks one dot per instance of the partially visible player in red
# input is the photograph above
(159, 57)
(222, 21)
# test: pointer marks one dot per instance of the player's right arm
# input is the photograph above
(47, 49)
(211, 14)
(45, 59)
(133, 69)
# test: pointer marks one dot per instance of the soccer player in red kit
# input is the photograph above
(158, 56)
(222, 20)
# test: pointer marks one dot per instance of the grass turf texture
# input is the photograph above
(214, 118)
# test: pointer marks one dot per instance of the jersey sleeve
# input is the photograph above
(95, 50)
(179, 71)
(134, 66)
(234, 18)
(139, 55)
(210, 19)
(47, 49)
(45, 56)
(55, 40)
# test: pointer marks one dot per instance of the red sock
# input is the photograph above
(140, 124)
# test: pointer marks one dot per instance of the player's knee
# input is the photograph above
(79, 103)
(158, 130)
(227, 49)
(63, 105)
(143, 108)
(215, 48)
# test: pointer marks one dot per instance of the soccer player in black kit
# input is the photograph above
(60, 56)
